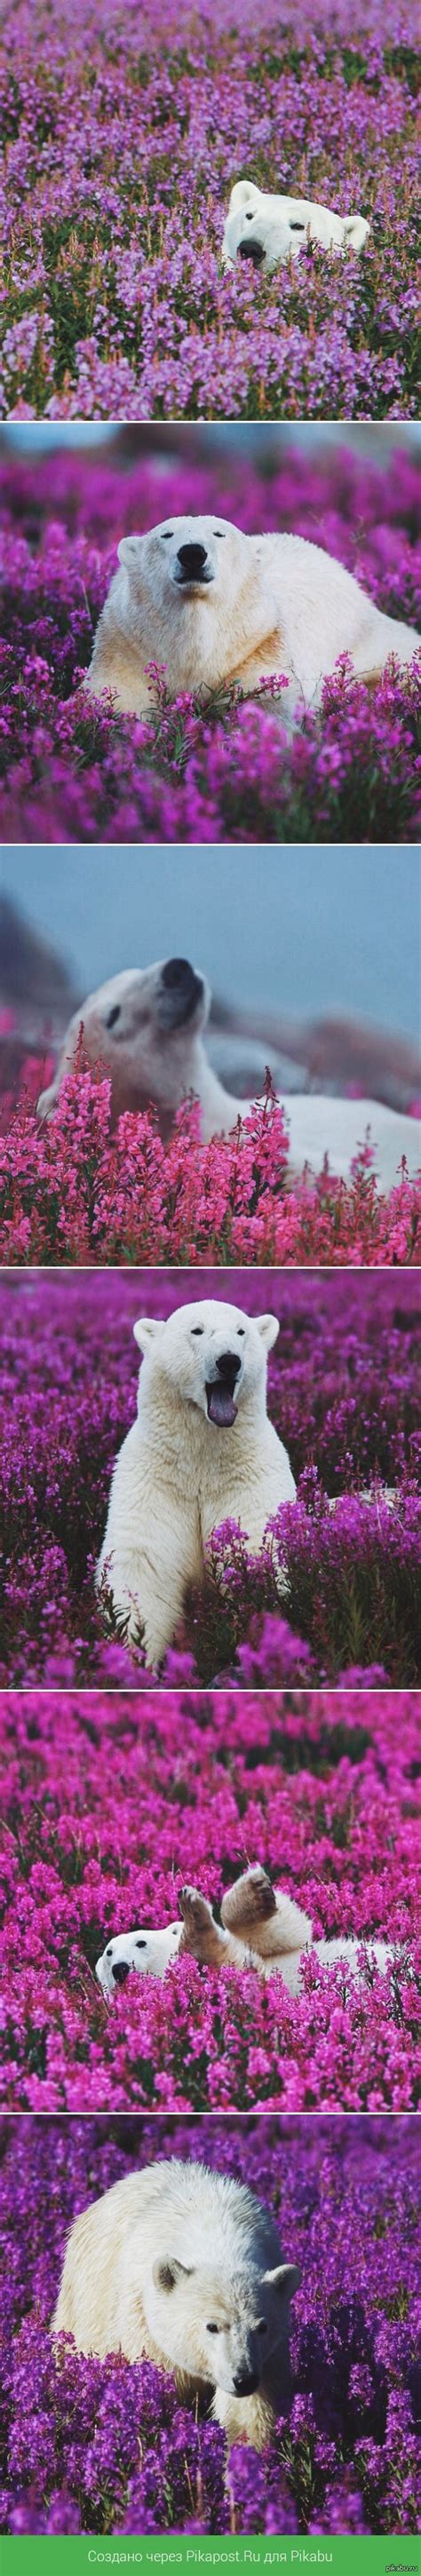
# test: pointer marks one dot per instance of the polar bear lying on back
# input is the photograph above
(267, 229)
(262, 1928)
(183, 2267)
(200, 1452)
(145, 1029)
(217, 606)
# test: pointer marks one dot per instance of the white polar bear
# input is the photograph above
(217, 606)
(183, 2267)
(200, 1452)
(267, 229)
(145, 1028)
(261, 1928)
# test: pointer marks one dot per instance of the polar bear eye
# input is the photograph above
(113, 1015)
(212, 2329)
(166, 534)
(197, 1328)
(241, 1332)
(141, 1945)
(220, 532)
(297, 228)
(249, 218)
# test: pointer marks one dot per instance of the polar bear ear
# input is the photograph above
(165, 2275)
(243, 194)
(268, 1327)
(286, 2278)
(147, 1331)
(355, 231)
(128, 549)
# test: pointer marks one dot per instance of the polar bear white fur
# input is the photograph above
(217, 606)
(200, 1452)
(145, 1028)
(267, 229)
(184, 2267)
(152, 1952)
(261, 1928)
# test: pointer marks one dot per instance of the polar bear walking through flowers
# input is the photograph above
(183, 2267)
(201, 1451)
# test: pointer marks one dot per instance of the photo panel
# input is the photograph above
(210, 1902)
(211, 1477)
(210, 634)
(207, 1062)
(224, 2334)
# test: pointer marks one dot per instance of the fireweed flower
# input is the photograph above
(107, 2447)
(115, 182)
(73, 770)
(71, 1191)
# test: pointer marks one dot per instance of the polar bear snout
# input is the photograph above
(246, 2381)
(121, 1970)
(181, 995)
(192, 563)
(252, 249)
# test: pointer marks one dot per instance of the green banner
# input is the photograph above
(345, 2556)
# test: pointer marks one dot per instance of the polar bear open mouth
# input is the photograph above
(220, 1400)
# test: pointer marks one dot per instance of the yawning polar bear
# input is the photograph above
(184, 2267)
(261, 1927)
(217, 606)
(145, 1029)
(268, 229)
(200, 1452)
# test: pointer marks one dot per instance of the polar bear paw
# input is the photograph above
(195, 1910)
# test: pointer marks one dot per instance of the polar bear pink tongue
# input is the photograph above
(221, 1408)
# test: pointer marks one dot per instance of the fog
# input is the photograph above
(302, 930)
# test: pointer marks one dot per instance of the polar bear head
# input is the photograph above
(148, 1952)
(140, 1027)
(218, 2320)
(181, 557)
(263, 230)
(209, 1355)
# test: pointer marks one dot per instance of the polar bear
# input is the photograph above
(183, 2267)
(261, 1928)
(267, 229)
(145, 1028)
(200, 1452)
(217, 606)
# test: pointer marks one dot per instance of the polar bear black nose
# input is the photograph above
(245, 2383)
(251, 250)
(192, 557)
(177, 971)
(121, 1971)
(228, 1365)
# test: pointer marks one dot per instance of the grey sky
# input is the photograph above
(304, 930)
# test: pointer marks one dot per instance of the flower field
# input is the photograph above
(106, 2446)
(72, 1191)
(344, 1395)
(121, 143)
(110, 1802)
(71, 770)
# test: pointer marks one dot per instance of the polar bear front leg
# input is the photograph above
(202, 1936)
(148, 1599)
